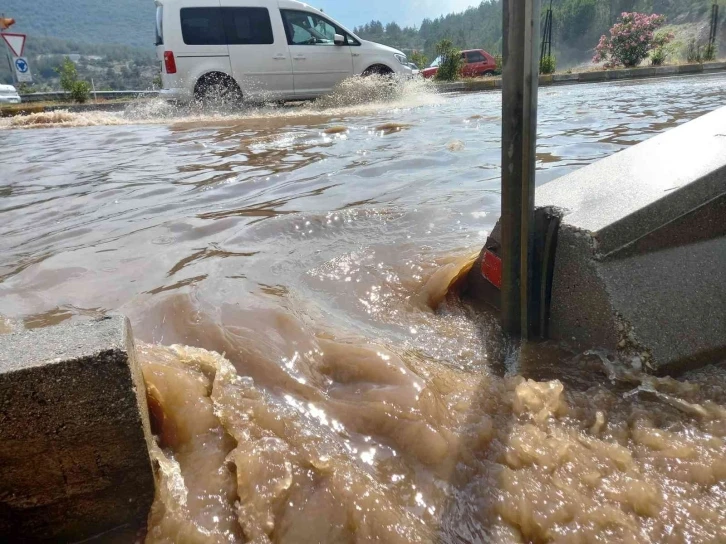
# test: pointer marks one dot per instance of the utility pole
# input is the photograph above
(711, 51)
(521, 25)
(546, 50)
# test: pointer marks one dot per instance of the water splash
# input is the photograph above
(353, 96)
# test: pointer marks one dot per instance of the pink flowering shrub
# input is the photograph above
(630, 40)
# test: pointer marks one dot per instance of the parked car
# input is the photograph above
(9, 95)
(260, 49)
(477, 62)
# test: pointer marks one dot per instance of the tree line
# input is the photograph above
(578, 25)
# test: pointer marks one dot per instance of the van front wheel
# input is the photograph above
(217, 89)
(378, 70)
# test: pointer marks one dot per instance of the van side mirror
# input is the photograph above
(339, 40)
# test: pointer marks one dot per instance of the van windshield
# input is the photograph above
(159, 25)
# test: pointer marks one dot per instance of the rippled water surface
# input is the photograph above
(309, 245)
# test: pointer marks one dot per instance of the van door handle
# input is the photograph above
(300, 57)
(356, 54)
(280, 57)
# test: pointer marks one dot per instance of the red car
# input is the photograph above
(477, 62)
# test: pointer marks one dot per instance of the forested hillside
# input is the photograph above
(110, 66)
(114, 37)
(578, 25)
(128, 22)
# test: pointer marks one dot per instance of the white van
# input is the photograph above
(260, 49)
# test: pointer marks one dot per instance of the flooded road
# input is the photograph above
(309, 247)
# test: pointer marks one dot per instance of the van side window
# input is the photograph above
(248, 26)
(304, 28)
(202, 26)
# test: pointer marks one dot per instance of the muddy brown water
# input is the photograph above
(281, 267)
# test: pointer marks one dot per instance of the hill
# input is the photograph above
(109, 66)
(127, 22)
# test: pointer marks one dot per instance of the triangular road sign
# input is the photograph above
(16, 42)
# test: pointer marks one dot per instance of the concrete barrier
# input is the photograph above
(485, 84)
(105, 95)
(640, 263)
(565, 78)
(690, 68)
(589, 77)
(74, 432)
(596, 76)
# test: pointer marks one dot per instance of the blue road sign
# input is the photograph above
(21, 65)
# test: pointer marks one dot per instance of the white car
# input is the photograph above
(9, 95)
(260, 50)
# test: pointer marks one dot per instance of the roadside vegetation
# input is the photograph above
(548, 65)
(450, 61)
(578, 25)
(419, 59)
(78, 89)
(631, 39)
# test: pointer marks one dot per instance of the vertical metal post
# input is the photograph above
(714, 30)
(546, 36)
(550, 31)
(521, 24)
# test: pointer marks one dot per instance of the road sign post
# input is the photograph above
(19, 66)
(521, 23)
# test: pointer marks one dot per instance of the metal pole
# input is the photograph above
(521, 24)
(551, 31)
(714, 28)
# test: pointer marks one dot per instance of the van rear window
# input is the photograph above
(222, 26)
(202, 26)
(159, 25)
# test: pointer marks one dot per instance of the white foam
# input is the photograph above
(353, 96)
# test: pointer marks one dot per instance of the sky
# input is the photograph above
(352, 13)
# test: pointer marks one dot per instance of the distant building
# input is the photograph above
(75, 57)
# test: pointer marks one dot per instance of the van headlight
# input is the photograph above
(401, 58)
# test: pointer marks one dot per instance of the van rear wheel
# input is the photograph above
(217, 89)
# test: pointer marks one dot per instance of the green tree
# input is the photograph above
(575, 18)
(419, 59)
(450, 61)
(68, 74)
(78, 89)
(548, 65)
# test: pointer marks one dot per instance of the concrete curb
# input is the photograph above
(74, 432)
(640, 262)
(488, 84)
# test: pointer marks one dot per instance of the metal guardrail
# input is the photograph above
(61, 95)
